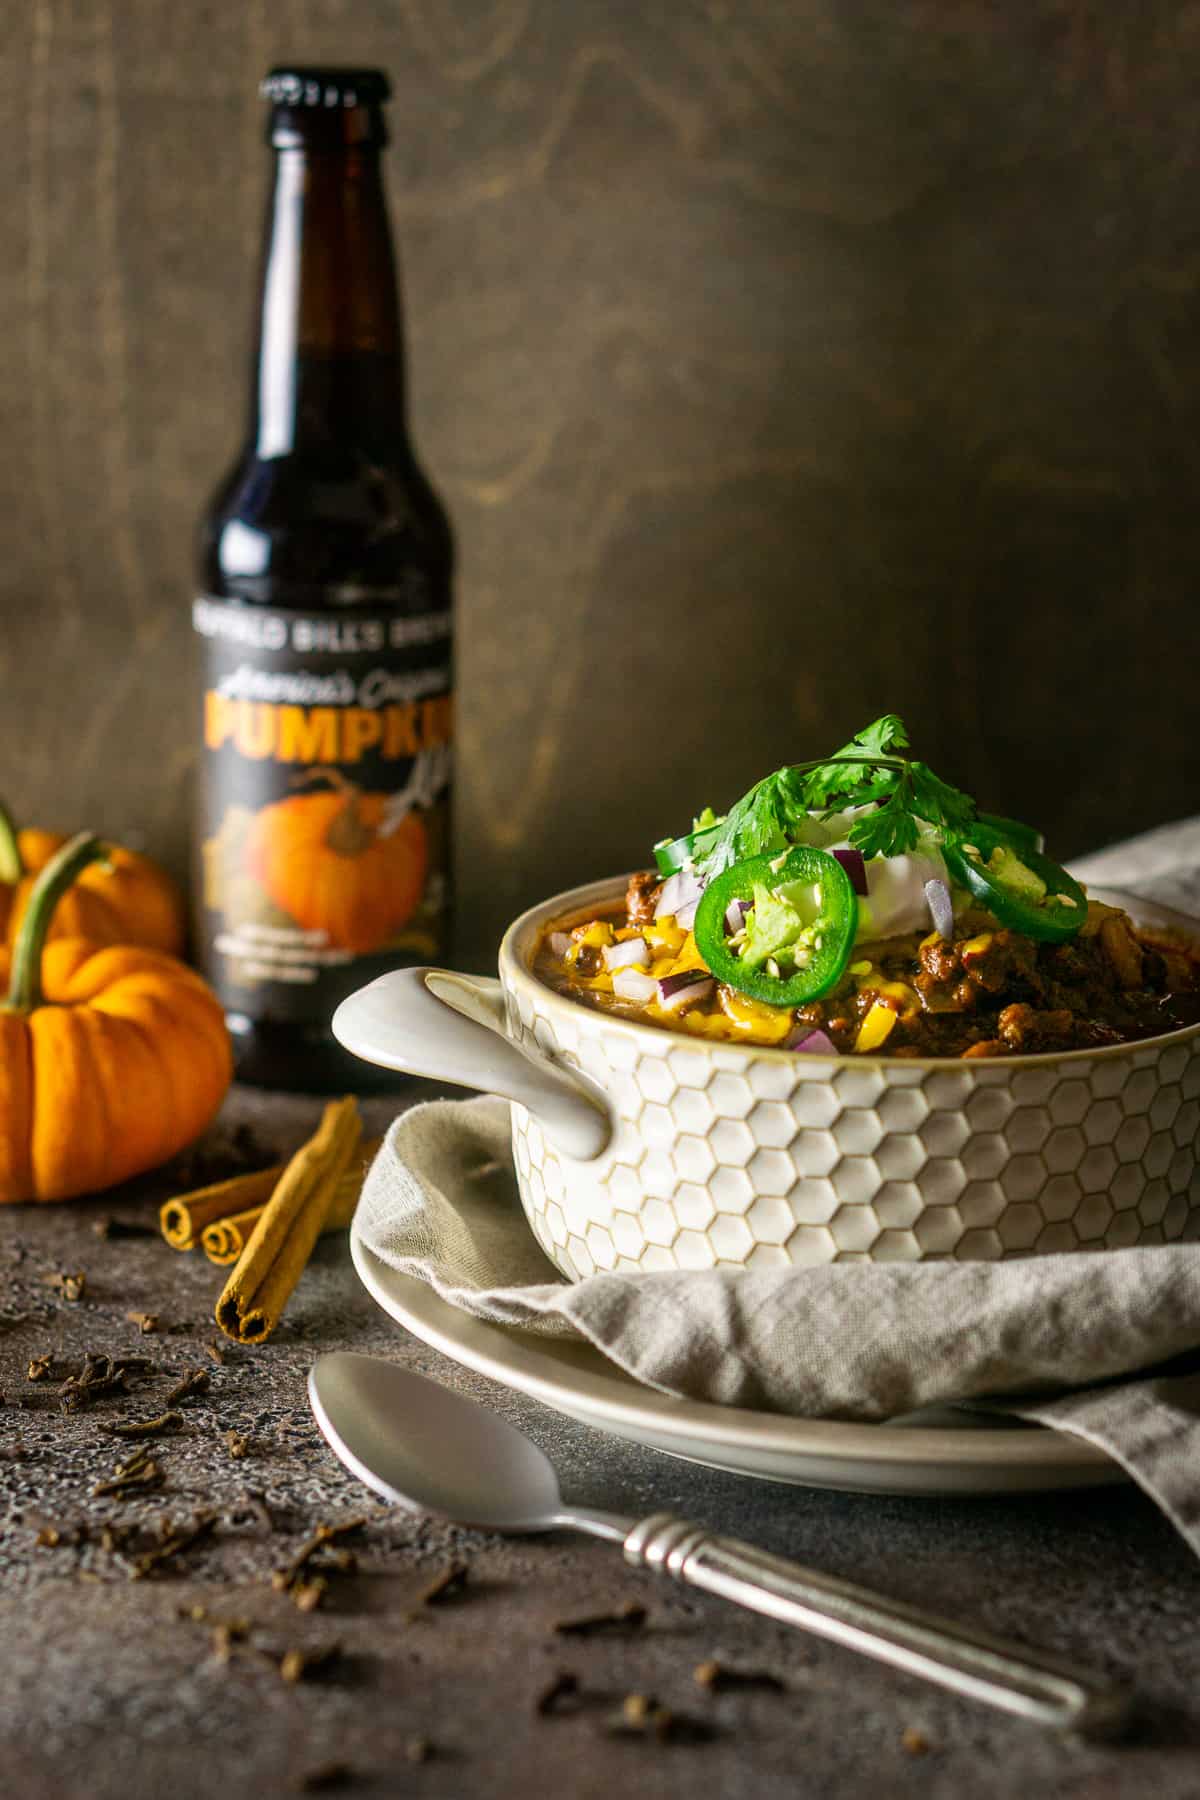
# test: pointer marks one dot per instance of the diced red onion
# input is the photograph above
(685, 918)
(679, 891)
(811, 1043)
(855, 867)
(559, 942)
(632, 984)
(634, 953)
(735, 916)
(941, 908)
(686, 989)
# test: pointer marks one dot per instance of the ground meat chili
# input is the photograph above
(987, 992)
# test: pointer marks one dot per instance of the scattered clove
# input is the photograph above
(448, 1585)
(225, 1634)
(41, 1368)
(237, 1443)
(914, 1742)
(146, 1322)
(99, 1377)
(322, 1543)
(717, 1678)
(138, 1471)
(308, 1595)
(196, 1381)
(163, 1426)
(114, 1538)
(173, 1542)
(642, 1716)
(70, 1283)
(215, 1351)
(627, 1620)
(302, 1665)
(560, 1695)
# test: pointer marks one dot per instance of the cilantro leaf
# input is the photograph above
(852, 765)
(910, 802)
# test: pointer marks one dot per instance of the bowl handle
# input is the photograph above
(451, 1028)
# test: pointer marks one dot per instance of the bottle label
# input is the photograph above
(324, 802)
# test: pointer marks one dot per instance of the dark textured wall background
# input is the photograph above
(780, 361)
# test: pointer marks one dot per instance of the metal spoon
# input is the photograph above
(423, 1446)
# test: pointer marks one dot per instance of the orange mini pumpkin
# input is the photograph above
(128, 901)
(112, 1058)
(324, 859)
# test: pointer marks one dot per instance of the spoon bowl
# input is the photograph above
(422, 1446)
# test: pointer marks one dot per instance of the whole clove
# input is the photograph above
(173, 1542)
(719, 1679)
(138, 1471)
(302, 1665)
(225, 1634)
(163, 1426)
(625, 1621)
(914, 1742)
(146, 1322)
(641, 1716)
(114, 1538)
(449, 1584)
(70, 1283)
(196, 1381)
(560, 1695)
(98, 1378)
(41, 1368)
(215, 1351)
(237, 1444)
(323, 1543)
(308, 1595)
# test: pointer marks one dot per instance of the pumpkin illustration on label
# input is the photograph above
(341, 862)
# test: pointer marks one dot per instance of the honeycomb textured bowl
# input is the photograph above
(730, 1154)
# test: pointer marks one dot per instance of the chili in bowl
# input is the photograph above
(853, 1019)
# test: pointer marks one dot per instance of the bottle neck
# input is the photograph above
(329, 363)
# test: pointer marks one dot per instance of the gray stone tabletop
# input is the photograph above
(115, 1684)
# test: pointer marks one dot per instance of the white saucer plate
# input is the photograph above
(937, 1454)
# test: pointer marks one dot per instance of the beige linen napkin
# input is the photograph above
(1078, 1342)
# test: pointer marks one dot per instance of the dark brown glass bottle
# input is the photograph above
(324, 621)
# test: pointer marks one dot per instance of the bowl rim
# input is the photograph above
(522, 936)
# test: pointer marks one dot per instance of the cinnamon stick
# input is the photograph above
(282, 1241)
(224, 1239)
(182, 1219)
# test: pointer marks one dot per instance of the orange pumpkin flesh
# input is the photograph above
(112, 1059)
(130, 900)
(322, 860)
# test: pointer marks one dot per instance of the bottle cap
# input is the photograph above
(297, 85)
(325, 108)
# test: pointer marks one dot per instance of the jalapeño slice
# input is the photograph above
(673, 854)
(1018, 885)
(797, 912)
(1022, 837)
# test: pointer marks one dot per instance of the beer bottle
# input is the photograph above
(323, 619)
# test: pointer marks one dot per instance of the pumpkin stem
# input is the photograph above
(346, 833)
(11, 869)
(25, 985)
(320, 772)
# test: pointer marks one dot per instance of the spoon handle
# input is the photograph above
(1033, 1685)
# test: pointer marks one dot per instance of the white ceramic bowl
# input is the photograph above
(639, 1148)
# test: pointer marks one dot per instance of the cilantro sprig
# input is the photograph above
(911, 801)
